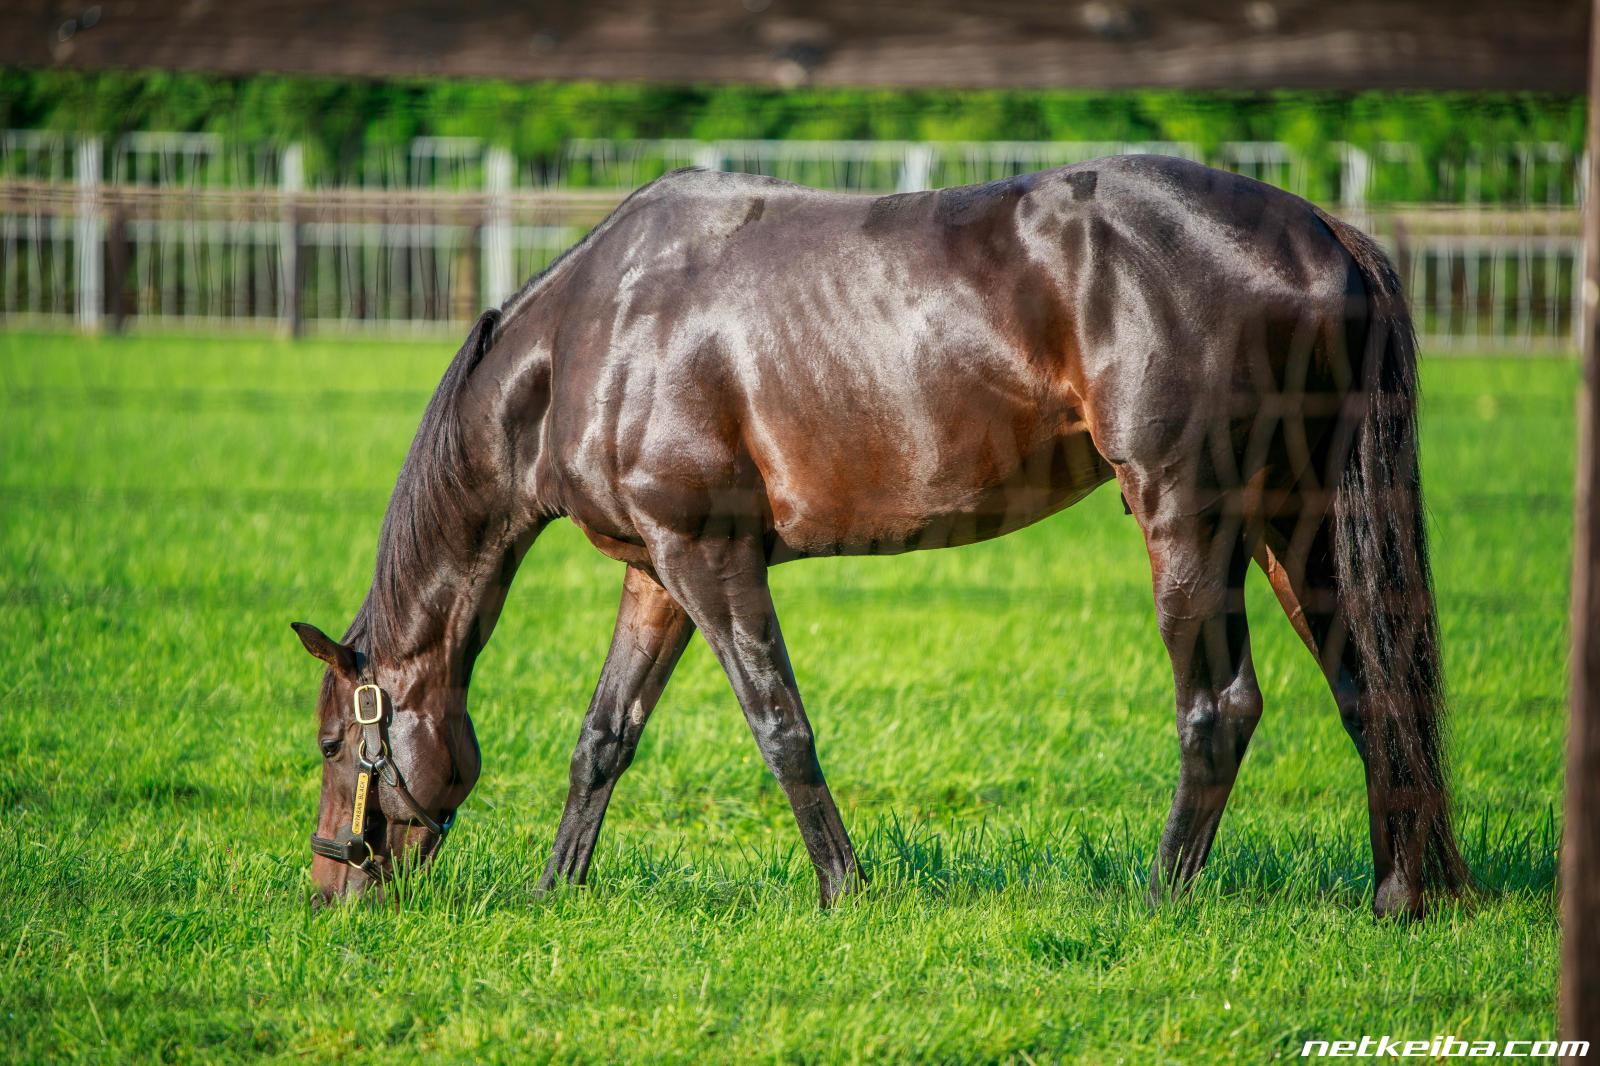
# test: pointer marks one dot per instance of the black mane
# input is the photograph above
(429, 510)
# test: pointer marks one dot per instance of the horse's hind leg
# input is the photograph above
(1301, 573)
(722, 582)
(1199, 563)
(650, 634)
(1299, 564)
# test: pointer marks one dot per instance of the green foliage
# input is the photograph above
(338, 119)
(996, 722)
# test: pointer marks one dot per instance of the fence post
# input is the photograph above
(708, 156)
(917, 170)
(1580, 196)
(291, 182)
(86, 236)
(1580, 850)
(468, 284)
(498, 282)
(118, 255)
(1354, 178)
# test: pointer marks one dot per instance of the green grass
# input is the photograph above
(995, 721)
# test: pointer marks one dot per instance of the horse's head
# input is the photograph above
(398, 757)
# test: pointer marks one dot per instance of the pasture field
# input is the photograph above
(996, 722)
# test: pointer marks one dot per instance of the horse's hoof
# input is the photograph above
(1163, 891)
(830, 892)
(1394, 899)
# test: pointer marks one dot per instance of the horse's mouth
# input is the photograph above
(396, 846)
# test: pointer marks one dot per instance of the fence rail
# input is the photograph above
(140, 240)
(1512, 173)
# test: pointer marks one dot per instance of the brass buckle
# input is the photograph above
(377, 704)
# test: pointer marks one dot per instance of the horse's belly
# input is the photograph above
(963, 499)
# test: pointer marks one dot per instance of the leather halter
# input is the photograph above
(374, 766)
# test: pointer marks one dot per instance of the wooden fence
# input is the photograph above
(411, 260)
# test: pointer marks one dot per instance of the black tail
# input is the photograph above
(1386, 586)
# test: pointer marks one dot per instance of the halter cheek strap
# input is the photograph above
(373, 767)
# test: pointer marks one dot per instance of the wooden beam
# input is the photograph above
(1580, 851)
(1197, 44)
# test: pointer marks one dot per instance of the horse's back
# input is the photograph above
(919, 368)
(1073, 250)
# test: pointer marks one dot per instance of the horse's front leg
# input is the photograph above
(650, 636)
(722, 582)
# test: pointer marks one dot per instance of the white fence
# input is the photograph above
(172, 230)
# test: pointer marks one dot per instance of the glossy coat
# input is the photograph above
(732, 372)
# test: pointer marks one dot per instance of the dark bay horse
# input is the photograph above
(732, 372)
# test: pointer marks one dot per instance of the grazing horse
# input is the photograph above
(731, 372)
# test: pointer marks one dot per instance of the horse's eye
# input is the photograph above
(331, 747)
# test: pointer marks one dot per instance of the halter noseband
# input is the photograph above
(349, 845)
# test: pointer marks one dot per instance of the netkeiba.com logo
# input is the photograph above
(1387, 1047)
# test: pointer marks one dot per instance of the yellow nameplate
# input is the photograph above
(359, 818)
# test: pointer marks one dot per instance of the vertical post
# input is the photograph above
(916, 171)
(1354, 177)
(467, 283)
(117, 257)
(497, 259)
(291, 181)
(1403, 260)
(1580, 197)
(86, 235)
(1580, 852)
(708, 156)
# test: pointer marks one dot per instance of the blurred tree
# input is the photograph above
(341, 122)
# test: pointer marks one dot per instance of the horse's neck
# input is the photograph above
(484, 601)
(439, 592)
(445, 620)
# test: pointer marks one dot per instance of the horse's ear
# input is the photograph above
(341, 657)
